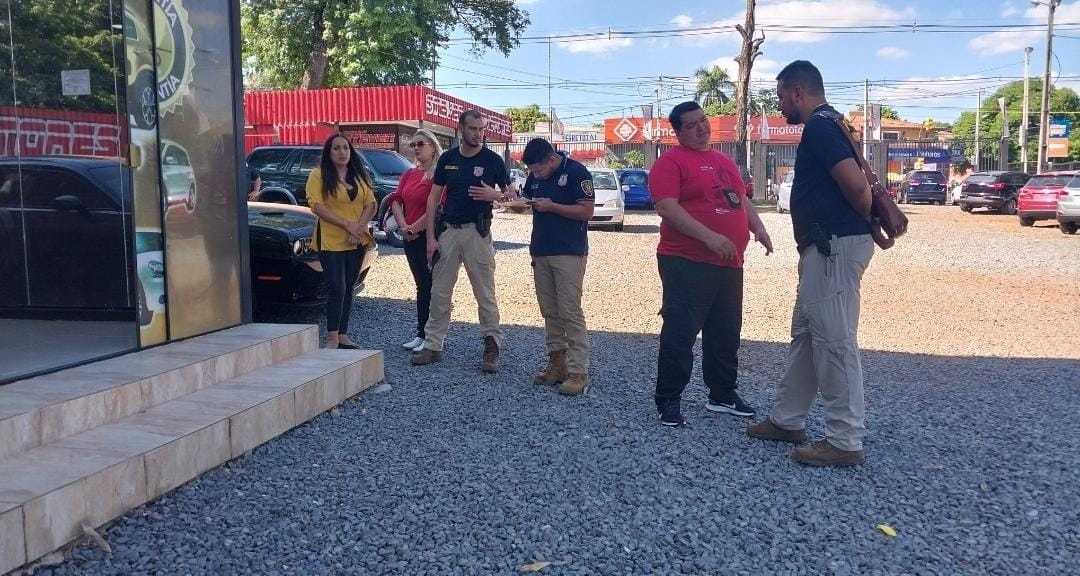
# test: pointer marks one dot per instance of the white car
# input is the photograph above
(610, 207)
(517, 178)
(783, 196)
(1068, 207)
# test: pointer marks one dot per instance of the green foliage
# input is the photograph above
(524, 119)
(48, 37)
(765, 98)
(293, 43)
(713, 86)
(1062, 100)
(634, 159)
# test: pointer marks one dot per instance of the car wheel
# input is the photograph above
(395, 239)
(274, 197)
(146, 110)
(619, 227)
(965, 208)
(779, 208)
(1068, 227)
(189, 202)
(1009, 207)
(1027, 221)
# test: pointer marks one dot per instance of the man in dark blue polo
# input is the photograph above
(830, 210)
(560, 191)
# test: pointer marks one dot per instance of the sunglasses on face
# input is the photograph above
(419, 144)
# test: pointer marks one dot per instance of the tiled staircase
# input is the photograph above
(83, 446)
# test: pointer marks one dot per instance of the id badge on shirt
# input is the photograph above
(732, 198)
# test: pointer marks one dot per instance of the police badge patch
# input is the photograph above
(478, 171)
(562, 180)
(586, 187)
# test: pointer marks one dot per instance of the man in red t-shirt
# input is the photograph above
(705, 226)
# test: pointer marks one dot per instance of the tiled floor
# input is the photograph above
(28, 346)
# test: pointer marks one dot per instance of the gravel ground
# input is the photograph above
(971, 351)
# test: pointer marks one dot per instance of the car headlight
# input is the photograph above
(614, 203)
(301, 246)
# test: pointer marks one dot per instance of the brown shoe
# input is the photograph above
(822, 453)
(767, 430)
(425, 356)
(490, 363)
(554, 372)
(574, 384)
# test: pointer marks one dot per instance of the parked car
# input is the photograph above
(952, 195)
(285, 170)
(994, 190)
(285, 271)
(65, 228)
(178, 176)
(517, 178)
(783, 196)
(1038, 198)
(634, 183)
(923, 186)
(1068, 206)
(610, 209)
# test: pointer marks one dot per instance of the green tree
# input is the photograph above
(713, 85)
(886, 112)
(634, 159)
(1063, 101)
(524, 119)
(48, 37)
(325, 43)
(764, 98)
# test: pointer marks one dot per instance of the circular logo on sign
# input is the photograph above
(175, 53)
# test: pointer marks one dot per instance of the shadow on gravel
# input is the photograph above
(505, 245)
(971, 460)
(640, 229)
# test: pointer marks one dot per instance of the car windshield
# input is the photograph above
(981, 179)
(386, 163)
(604, 181)
(935, 176)
(148, 241)
(1044, 181)
(1075, 182)
(634, 179)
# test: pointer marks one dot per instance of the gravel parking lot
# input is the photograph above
(971, 346)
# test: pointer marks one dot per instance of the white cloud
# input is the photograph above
(682, 21)
(1014, 40)
(893, 52)
(824, 13)
(1009, 9)
(595, 45)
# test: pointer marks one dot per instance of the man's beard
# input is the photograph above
(793, 118)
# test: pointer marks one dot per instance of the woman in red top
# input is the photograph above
(409, 206)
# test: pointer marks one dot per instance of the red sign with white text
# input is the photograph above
(635, 131)
(39, 132)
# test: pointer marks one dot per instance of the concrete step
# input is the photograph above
(42, 410)
(48, 492)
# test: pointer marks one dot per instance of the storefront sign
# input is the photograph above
(635, 130)
(380, 137)
(42, 137)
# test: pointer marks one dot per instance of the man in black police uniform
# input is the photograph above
(561, 194)
(830, 209)
(469, 174)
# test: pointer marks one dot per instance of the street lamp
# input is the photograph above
(1044, 116)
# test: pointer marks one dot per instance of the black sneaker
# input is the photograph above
(736, 407)
(670, 415)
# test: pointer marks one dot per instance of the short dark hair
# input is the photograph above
(675, 117)
(536, 151)
(804, 74)
(466, 115)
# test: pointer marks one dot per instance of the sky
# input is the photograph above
(930, 63)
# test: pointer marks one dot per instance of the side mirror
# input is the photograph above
(625, 188)
(69, 203)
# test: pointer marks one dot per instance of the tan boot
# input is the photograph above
(425, 356)
(767, 430)
(555, 371)
(574, 384)
(490, 362)
(822, 453)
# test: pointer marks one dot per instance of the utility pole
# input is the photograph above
(750, 51)
(1044, 115)
(433, 64)
(551, 125)
(1027, 110)
(978, 133)
(866, 118)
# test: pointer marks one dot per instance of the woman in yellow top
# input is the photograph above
(340, 194)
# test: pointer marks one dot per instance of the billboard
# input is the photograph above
(636, 130)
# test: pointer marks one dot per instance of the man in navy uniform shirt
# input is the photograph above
(469, 174)
(561, 193)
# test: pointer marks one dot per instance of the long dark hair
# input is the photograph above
(356, 171)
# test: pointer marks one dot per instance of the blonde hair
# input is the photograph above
(435, 147)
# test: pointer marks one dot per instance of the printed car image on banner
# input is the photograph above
(146, 175)
(198, 164)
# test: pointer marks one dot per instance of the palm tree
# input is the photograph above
(712, 86)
